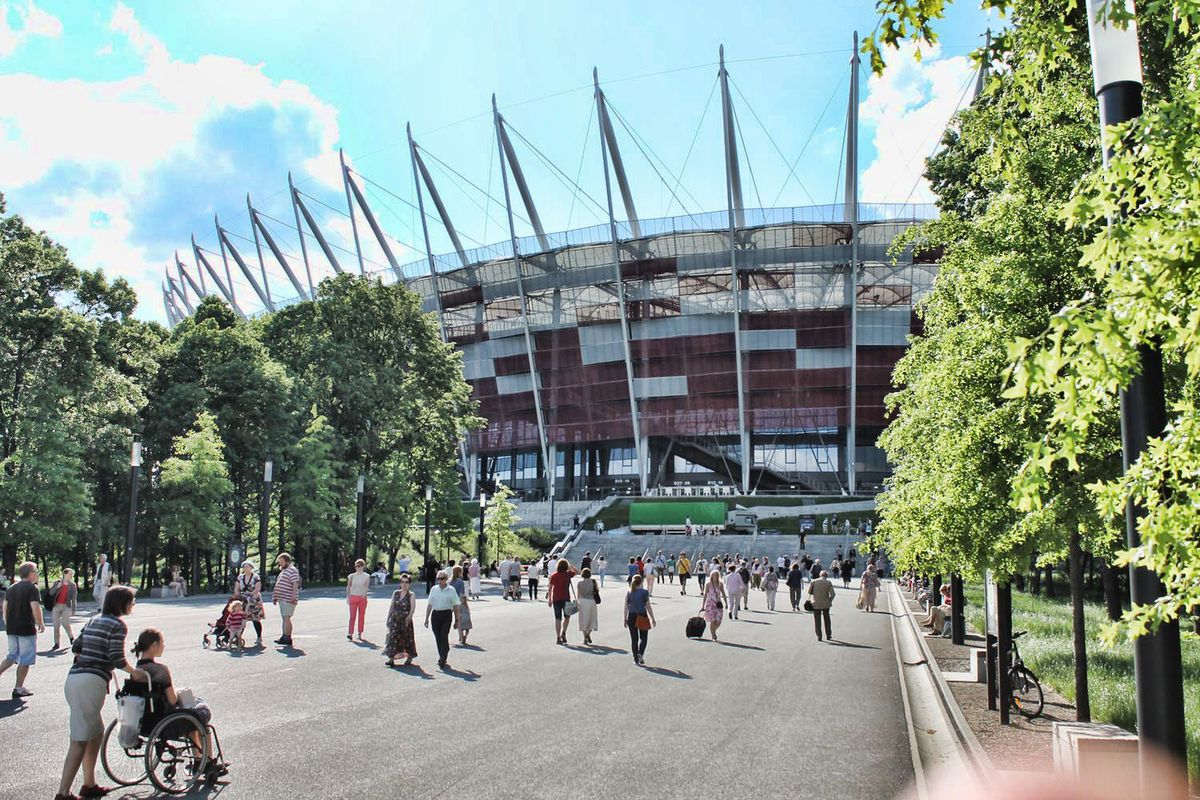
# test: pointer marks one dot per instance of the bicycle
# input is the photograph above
(1026, 691)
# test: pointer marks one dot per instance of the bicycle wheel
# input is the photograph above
(125, 765)
(1027, 696)
(174, 762)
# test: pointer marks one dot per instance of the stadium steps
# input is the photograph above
(709, 457)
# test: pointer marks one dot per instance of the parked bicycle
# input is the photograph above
(1027, 696)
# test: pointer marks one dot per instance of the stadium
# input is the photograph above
(736, 351)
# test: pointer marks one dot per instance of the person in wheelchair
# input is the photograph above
(149, 647)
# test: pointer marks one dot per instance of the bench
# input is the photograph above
(163, 592)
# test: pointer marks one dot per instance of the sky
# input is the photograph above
(126, 126)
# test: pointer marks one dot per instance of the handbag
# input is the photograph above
(130, 708)
(859, 603)
(808, 606)
(642, 622)
(596, 591)
(570, 608)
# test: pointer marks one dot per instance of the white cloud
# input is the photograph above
(155, 153)
(908, 107)
(30, 21)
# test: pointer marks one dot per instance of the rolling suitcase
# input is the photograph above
(695, 627)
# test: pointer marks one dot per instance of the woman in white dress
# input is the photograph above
(586, 591)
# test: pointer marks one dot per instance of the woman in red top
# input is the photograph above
(558, 595)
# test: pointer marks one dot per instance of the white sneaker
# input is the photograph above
(19, 692)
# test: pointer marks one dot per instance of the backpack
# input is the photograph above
(49, 594)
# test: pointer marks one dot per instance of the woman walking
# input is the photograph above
(847, 571)
(639, 618)
(463, 624)
(648, 583)
(869, 588)
(358, 586)
(65, 594)
(601, 568)
(99, 649)
(587, 590)
(473, 576)
(734, 586)
(701, 572)
(442, 607)
(713, 601)
(249, 591)
(770, 585)
(400, 637)
(533, 576)
(558, 595)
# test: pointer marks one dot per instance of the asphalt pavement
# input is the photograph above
(766, 710)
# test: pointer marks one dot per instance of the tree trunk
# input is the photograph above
(1019, 581)
(1050, 591)
(1035, 584)
(1112, 596)
(1083, 705)
(282, 529)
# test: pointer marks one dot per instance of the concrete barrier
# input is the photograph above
(1094, 749)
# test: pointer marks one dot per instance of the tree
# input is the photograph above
(193, 484)
(500, 519)
(313, 490)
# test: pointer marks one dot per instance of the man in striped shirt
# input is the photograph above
(286, 595)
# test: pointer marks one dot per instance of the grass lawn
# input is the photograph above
(1047, 649)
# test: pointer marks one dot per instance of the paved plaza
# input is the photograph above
(767, 709)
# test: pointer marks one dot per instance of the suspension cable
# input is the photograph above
(811, 134)
(587, 135)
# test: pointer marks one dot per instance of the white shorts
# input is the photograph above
(286, 609)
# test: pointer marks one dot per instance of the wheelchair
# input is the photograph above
(166, 749)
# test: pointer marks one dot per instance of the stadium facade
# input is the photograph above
(746, 349)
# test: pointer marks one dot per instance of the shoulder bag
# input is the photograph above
(642, 622)
(596, 591)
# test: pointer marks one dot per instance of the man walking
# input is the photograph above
(103, 580)
(286, 595)
(22, 622)
(685, 571)
(821, 592)
(795, 584)
(503, 570)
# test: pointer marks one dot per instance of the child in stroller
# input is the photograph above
(227, 630)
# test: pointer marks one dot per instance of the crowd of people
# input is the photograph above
(572, 593)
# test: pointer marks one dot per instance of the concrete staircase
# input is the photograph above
(537, 514)
(620, 546)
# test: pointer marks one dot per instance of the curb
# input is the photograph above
(939, 735)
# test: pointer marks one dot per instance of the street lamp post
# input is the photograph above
(264, 515)
(135, 465)
(481, 543)
(428, 572)
(1158, 669)
(358, 517)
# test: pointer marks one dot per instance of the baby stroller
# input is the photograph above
(221, 634)
(175, 748)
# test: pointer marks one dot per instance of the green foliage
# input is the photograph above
(1007, 265)
(193, 483)
(313, 492)
(499, 521)
(1136, 224)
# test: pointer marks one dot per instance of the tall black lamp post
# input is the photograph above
(135, 465)
(1158, 669)
(481, 543)
(358, 517)
(264, 515)
(428, 571)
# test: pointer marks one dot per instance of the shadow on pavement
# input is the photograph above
(10, 708)
(414, 670)
(596, 649)
(668, 673)
(724, 643)
(249, 651)
(840, 643)
(366, 645)
(474, 647)
(752, 621)
(466, 675)
(291, 652)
